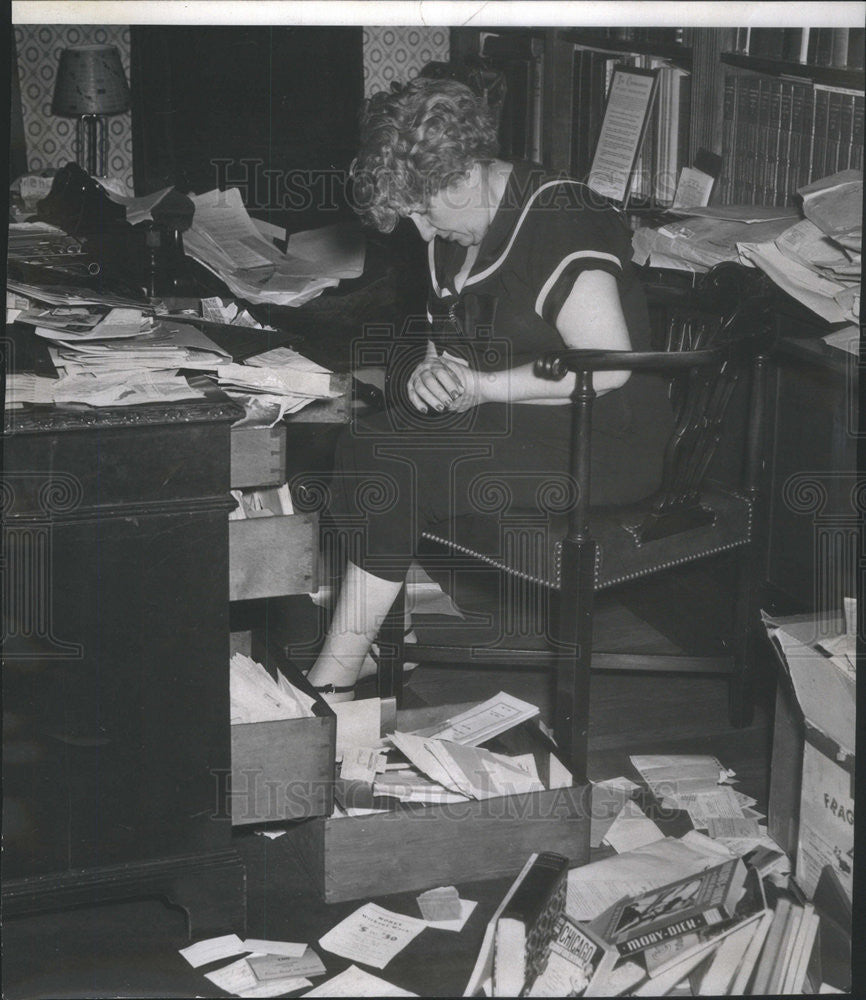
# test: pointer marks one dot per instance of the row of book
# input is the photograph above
(728, 930)
(842, 48)
(664, 151)
(780, 134)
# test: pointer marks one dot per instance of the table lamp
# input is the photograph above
(90, 85)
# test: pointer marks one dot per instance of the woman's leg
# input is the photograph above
(362, 605)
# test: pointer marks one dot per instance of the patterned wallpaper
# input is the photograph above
(398, 54)
(51, 139)
(390, 53)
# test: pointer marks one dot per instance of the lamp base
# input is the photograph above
(92, 144)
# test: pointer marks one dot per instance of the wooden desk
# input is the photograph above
(115, 674)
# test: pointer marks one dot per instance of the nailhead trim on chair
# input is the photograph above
(658, 566)
(557, 556)
(486, 559)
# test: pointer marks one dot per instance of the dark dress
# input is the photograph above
(400, 473)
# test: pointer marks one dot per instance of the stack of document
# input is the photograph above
(280, 380)
(817, 260)
(68, 295)
(167, 347)
(708, 236)
(118, 389)
(257, 697)
(242, 253)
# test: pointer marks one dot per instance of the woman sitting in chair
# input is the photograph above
(521, 262)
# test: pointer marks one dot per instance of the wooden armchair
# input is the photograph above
(716, 338)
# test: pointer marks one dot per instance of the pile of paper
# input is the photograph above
(269, 968)
(164, 347)
(68, 295)
(118, 389)
(708, 236)
(240, 251)
(701, 786)
(280, 380)
(257, 697)
(472, 772)
(817, 260)
(421, 766)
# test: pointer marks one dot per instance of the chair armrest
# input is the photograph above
(555, 365)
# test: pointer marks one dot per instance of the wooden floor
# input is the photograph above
(130, 949)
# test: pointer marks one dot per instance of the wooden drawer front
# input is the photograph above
(282, 770)
(258, 456)
(272, 556)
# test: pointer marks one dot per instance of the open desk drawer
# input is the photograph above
(415, 847)
(258, 456)
(284, 770)
(272, 556)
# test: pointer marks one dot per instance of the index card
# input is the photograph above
(239, 978)
(372, 935)
(269, 967)
(355, 982)
(484, 721)
(213, 949)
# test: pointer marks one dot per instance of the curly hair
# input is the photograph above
(414, 143)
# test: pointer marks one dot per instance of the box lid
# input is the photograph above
(825, 694)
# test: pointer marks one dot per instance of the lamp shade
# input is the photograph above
(90, 81)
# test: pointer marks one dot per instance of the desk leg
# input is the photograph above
(210, 887)
(389, 680)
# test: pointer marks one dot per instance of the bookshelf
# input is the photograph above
(783, 130)
(752, 96)
(853, 79)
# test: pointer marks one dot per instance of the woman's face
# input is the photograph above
(458, 213)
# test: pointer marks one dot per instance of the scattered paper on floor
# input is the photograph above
(372, 935)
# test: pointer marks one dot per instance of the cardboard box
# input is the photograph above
(811, 809)
(272, 556)
(258, 456)
(414, 847)
(284, 770)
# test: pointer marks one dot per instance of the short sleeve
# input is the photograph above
(567, 236)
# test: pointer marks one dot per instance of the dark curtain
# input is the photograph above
(269, 110)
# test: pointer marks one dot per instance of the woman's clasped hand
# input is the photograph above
(442, 384)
